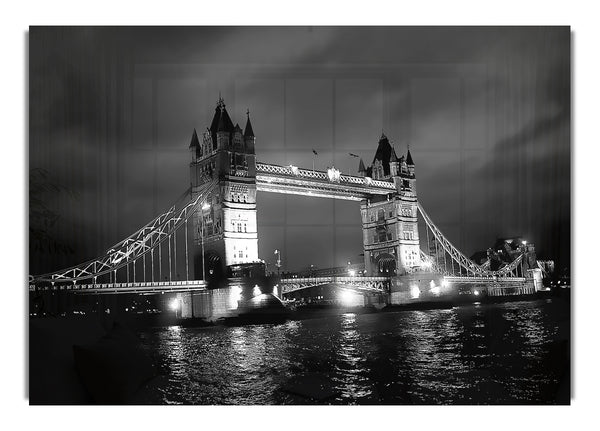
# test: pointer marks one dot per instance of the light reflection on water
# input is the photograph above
(489, 354)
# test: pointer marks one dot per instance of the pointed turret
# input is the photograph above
(410, 165)
(248, 132)
(249, 138)
(194, 143)
(394, 165)
(221, 126)
(194, 147)
(409, 159)
(361, 168)
(393, 157)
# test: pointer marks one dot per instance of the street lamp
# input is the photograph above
(205, 206)
(278, 264)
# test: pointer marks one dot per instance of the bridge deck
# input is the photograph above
(330, 184)
(138, 287)
(367, 284)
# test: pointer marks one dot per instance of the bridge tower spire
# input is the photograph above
(249, 138)
(390, 230)
(226, 224)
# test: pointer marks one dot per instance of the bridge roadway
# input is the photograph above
(382, 284)
(483, 279)
(363, 284)
(116, 288)
(288, 285)
(366, 284)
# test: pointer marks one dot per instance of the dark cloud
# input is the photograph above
(485, 110)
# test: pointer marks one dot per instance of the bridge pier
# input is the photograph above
(416, 287)
(238, 297)
(208, 304)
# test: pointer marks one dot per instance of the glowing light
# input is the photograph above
(476, 292)
(415, 292)
(333, 174)
(174, 304)
(524, 242)
(256, 290)
(349, 298)
(234, 298)
(352, 273)
(435, 290)
(205, 206)
(445, 283)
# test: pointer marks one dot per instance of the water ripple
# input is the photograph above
(495, 354)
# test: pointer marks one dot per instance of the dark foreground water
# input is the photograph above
(512, 353)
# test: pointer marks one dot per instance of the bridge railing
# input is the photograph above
(480, 279)
(295, 172)
(157, 285)
(333, 279)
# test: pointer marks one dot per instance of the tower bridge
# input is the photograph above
(210, 234)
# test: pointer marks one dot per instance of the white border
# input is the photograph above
(18, 16)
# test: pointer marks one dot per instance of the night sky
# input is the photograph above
(485, 110)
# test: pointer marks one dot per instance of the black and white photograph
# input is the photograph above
(300, 215)
(342, 222)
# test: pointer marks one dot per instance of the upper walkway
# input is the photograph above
(328, 184)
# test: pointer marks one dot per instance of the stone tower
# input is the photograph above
(390, 230)
(226, 223)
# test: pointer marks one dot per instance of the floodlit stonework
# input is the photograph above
(390, 230)
(226, 224)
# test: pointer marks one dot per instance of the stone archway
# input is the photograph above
(386, 265)
(213, 265)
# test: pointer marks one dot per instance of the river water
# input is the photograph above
(511, 353)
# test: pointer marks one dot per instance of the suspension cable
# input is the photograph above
(137, 245)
